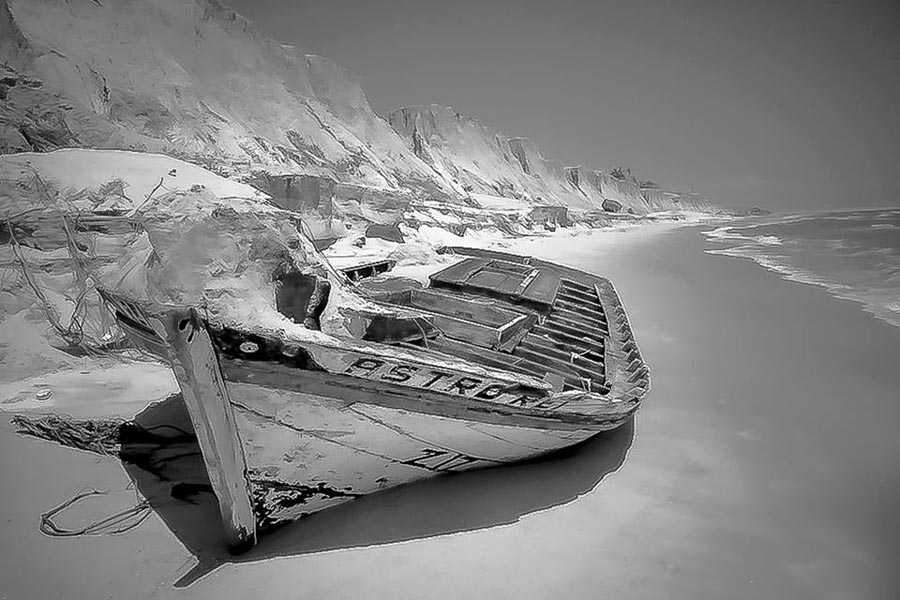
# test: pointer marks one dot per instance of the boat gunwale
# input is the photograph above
(620, 366)
(366, 391)
(338, 343)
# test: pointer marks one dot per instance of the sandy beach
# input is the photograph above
(762, 465)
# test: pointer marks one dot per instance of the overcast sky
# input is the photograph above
(782, 104)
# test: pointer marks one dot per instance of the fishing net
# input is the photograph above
(100, 436)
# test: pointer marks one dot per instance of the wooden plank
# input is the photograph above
(580, 366)
(478, 322)
(479, 355)
(555, 334)
(577, 295)
(572, 284)
(198, 374)
(538, 344)
(486, 312)
(580, 334)
(517, 328)
(468, 331)
(499, 282)
(503, 278)
(482, 253)
(581, 308)
(459, 273)
(545, 364)
(543, 288)
(571, 315)
(373, 267)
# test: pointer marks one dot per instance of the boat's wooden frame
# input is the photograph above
(196, 368)
(209, 359)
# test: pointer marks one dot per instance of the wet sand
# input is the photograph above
(763, 465)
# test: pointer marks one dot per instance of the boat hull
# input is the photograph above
(293, 424)
(305, 452)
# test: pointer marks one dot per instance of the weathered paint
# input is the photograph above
(564, 411)
(294, 424)
(324, 451)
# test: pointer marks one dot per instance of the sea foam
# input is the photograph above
(852, 255)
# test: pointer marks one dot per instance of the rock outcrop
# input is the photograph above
(483, 161)
(612, 206)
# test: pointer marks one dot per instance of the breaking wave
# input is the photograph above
(854, 255)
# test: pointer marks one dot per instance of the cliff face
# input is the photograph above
(657, 199)
(481, 160)
(194, 80)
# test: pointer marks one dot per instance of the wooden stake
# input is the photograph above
(197, 370)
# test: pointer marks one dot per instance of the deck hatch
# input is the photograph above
(503, 279)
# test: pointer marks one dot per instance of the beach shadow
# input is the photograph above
(175, 483)
(170, 474)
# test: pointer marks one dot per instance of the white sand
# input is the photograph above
(763, 465)
(82, 168)
(120, 390)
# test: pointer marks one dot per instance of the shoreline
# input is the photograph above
(621, 235)
(779, 256)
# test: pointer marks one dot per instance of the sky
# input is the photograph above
(789, 105)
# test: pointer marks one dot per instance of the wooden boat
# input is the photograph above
(506, 357)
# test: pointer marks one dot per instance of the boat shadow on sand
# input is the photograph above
(174, 481)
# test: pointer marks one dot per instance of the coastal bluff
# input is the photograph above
(195, 80)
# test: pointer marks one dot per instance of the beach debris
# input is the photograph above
(116, 523)
(100, 436)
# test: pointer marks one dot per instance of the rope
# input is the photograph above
(115, 524)
(424, 334)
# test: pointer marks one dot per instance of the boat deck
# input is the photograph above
(571, 341)
(515, 317)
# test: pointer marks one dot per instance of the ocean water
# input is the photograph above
(855, 255)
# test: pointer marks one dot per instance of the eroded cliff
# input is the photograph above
(193, 79)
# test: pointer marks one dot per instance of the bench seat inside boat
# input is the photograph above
(480, 322)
